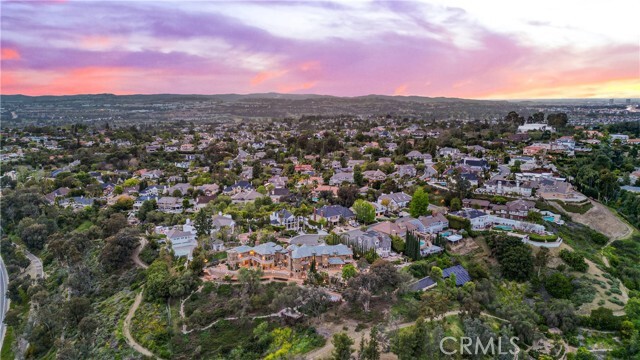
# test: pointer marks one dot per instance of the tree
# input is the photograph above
(146, 208)
(349, 271)
(412, 246)
(369, 350)
(76, 309)
(118, 249)
(541, 259)
(419, 205)
(397, 244)
(557, 120)
(33, 234)
(342, 349)
(358, 179)
(347, 195)
(158, 280)
(123, 203)
(558, 285)
(573, 259)
(455, 204)
(584, 354)
(559, 313)
(113, 224)
(203, 223)
(436, 273)
(516, 261)
(365, 211)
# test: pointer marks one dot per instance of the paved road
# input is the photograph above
(4, 302)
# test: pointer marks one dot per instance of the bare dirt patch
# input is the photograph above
(601, 219)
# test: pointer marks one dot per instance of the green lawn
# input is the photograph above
(84, 226)
(9, 338)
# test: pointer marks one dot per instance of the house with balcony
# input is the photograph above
(286, 219)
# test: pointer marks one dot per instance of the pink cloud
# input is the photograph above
(9, 54)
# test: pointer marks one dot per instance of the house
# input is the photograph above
(182, 242)
(416, 155)
(429, 173)
(620, 137)
(187, 147)
(384, 160)
(369, 240)
(507, 187)
(475, 164)
(476, 203)
(423, 284)
(246, 196)
(278, 193)
(552, 189)
(170, 204)
(447, 151)
(137, 203)
(77, 202)
(535, 127)
(242, 185)
(481, 220)
(217, 245)
(209, 189)
(333, 214)
(304, 169)
(435, 223)
(339, 178)
(154, 190)
(150, 174)
(183, 188)
(59, 192)
(394, 201)
(202, 201)
(461, 274)
(221, 221)
(278, 181)
(315, 193)
(288, 220)
(374, 175)
(389, 228)
(380, 209)
(297, 260)
(405, 170)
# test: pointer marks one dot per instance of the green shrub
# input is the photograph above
(575, 260)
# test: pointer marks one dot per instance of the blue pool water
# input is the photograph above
(421, 243)
(549, 218)
(446, 233)
(503, 227)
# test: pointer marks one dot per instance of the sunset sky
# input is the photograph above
(454, 48)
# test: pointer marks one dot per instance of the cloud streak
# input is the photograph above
(345, 49)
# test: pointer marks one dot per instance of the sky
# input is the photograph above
(489, 49)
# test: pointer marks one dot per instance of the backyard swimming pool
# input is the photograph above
(503, 227)
(549, 218)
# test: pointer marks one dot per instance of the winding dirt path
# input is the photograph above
(136, 254)
(126, 329)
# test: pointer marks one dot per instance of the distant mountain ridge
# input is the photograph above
(231, 97)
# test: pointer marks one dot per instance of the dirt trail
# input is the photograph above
(126, 328)
(136, 254)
